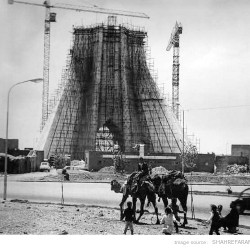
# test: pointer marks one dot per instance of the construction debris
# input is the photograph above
(110, 170)
(236, 169)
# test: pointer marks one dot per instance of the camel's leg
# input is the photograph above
(184, 207)
(124, 198)
(165, 202)
(156, 209)
(142, 200)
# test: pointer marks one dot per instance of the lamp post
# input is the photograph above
(6, 138)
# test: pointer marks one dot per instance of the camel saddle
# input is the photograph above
(171, 180)
(133, 184)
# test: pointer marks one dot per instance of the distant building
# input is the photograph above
(12, 144)
(241, 150)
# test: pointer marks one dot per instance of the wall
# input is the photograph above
(241, 150)
(12, 144)
(95, 160)
(23, 165)
(205, 163)
(222, 162)
(35, 162)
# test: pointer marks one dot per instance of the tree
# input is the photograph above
(190, 155)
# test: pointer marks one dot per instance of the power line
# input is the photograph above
(223, 107)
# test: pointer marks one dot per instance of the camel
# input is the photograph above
(172, 189)
(144, 190)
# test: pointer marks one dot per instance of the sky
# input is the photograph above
(214, 62)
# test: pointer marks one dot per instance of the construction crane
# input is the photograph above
(174, 42)
(51, 17)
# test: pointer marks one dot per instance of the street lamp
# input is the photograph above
(6, 138)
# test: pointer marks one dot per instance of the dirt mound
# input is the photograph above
(159, 170)
(110, 170)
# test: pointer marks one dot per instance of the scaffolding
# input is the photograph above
(109, 95)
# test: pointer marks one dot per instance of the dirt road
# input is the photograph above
(46, 219)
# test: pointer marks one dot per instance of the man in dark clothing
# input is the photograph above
(231, 221)
(142, 171)
(65, 174)
(142, 168)
(140, 164)
(129, 218)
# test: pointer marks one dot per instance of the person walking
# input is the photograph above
(129, 218)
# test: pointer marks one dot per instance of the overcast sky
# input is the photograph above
(214, 62)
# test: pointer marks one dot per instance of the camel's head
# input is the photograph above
(115, 186)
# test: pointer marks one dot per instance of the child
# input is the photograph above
(214, 219)
(168, 220)
(129, 218)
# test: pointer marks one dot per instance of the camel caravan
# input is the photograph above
(143, 184)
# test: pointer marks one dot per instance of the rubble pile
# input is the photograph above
(77, 163)
(110, 170)
(236, 169)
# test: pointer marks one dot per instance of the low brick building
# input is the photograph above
(12, 144)
(241, 150)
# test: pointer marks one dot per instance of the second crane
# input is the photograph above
(174, 42)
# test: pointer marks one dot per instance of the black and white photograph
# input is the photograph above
(126, 118)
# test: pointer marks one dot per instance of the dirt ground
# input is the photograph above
(20, 217)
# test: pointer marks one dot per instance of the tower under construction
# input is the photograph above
(109, 96)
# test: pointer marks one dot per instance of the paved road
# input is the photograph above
(100, 194)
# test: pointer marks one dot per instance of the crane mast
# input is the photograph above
(50, 17)
(46, 60)
(174, 42)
